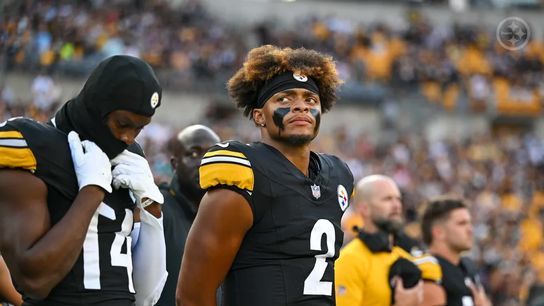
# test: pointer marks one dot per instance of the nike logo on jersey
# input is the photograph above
(223, 145)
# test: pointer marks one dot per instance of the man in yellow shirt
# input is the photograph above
(372, 269)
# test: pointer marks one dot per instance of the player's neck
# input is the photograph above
(445, 252)
(297, 155)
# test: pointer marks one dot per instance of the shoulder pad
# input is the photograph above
(336, 161)
(14, 150)
(225, 164)
(430, 268)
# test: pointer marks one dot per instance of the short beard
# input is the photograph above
(294, 140)
(298, 140)
(389, 226)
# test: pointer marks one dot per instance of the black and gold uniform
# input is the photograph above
(456, 280)
(287, 256)
(366, 266)
(102, 274)
(103, 271)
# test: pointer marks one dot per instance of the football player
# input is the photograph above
(66, 218)
(446, 227)
(269, 223)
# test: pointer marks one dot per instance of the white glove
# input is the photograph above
(132, 171)
(91, 164)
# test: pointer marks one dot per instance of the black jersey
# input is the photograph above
(103, 270)
(287, 257)
(455, 281)
(178, 216)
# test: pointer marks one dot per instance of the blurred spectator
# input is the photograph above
(44, 91)
(455, 65)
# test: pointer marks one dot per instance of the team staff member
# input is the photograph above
(65, 232)
(181, 199)
(447, 230)
(270, 205)
(373, 269)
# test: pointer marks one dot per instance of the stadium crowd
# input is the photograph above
(502, 176)
(459, 64)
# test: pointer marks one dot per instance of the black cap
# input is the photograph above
(122, 82)
(117, 83)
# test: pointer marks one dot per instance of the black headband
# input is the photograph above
(284, 81)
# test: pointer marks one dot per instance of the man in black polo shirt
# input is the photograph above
(447, 230)
(181, 199)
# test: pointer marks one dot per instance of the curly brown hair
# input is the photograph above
(267, 61)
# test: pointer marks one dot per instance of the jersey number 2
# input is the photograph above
(91, 251)
(313, 284)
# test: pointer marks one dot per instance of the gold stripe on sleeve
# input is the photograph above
(230, 174)
(11, 134)
(17, 158)
(225, 153)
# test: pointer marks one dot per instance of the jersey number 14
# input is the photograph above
(91, 251)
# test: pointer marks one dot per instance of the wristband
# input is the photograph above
(147, 202)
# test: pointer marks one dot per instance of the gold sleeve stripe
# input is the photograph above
(11, 134)
(225, 153)
(17, 158)
(14, 143)
(230, 174)
(225, 159)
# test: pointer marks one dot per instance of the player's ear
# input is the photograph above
(437, 232)
(173, 162)
(363, 209)
(357, 206)
(258, 117)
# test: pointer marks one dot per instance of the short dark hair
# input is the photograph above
(266, 62)
(438, 209)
